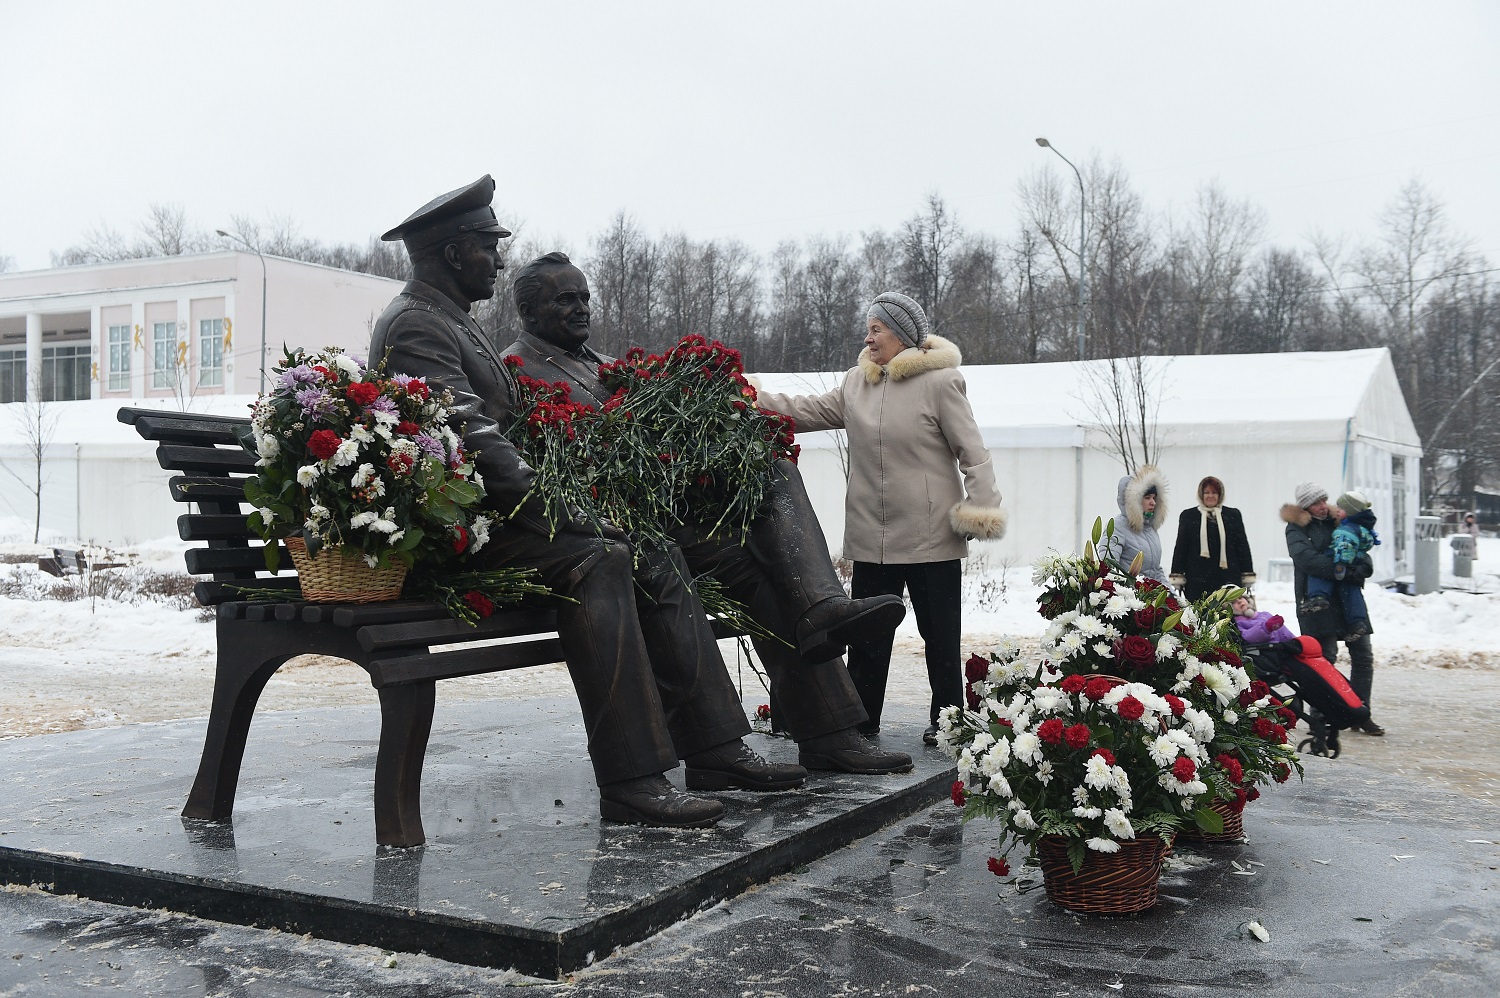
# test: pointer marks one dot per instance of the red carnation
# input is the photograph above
(1231, 766)
(763, 712)
(1260, 689)
(401, 464)
(1263, 727)
(957, 792)
(1097, 687)
(1287, 715)
(1136, 652)
(362, 393)
(1131, 709)
(999, 867)
(325, 372)
(1252, 794)
(512, 361)
(479, 602)
(1281, 773)
(1078, 735)
(1050, 731)
(1105, 754)
(324, 444)
(460, 540)
(1184, 769)
(1176, 703)
(1073, 684)
(408, 428)
(1279, 733)
(1239, 800)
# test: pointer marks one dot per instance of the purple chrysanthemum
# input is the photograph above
(316, 403)
(385, 404)
(302, 374)
(431, 446)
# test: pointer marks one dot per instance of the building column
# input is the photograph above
(33, 354)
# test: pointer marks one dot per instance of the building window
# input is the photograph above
(65, 372)
(13, 375)
(163, 354)
(119, 358)
(210, 353)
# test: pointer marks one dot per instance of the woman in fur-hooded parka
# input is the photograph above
(1211, 550)
(1135, 530)
(921, 484)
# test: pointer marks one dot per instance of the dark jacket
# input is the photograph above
(546, 362)
(423, 333)
(1309, 542)
(1203, 575)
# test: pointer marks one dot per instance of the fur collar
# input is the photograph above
(938, 354)
(1296, 515)
(1133, 489)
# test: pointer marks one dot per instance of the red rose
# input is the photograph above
(1229, 658)
(1131, 709)
(1184, 769)
(323, 444)
(1275, 622)
(408, 428)
(976, 668)
(1176, 703)
(460, 540)
(362, 393)
(1150, 617)
(479, 603)
(1073, 684)
(999, 867)
(1096, 688)
(1246, 698)
(957, 791)
(1078, 735)
(1105, 754)
(1136, 652)
(1050, 731)
(1260, 689)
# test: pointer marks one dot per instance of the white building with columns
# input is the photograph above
(174, 327)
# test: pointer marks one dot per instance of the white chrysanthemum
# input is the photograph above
(1116, 606)
(1103, 845)
(383, 431)
(1081, 796)
(1096, 773)
(1023, 820)
(1027, 748)
(359, 520)
(1163, 750)
(371, 560)
(998, 756)
(1120, 783)
(479, 533)
(267, 446)
(1044, 772)
(1049, 700)
(361, 433)
(1217, 682)
(1087, 812)
(1070, 644)
(347, 454)
(1090, 627)
(318, 511)
(362, 476)
(1103, 649)
(982, 741)
(1167, 646)
(397, 536)
(1000, 786)
(1119, 826)
(346, 364)
(266, 516)
(385, 420)
(307, 474)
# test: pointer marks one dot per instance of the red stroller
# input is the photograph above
(1320, 695)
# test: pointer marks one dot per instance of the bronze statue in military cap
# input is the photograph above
(651, 683)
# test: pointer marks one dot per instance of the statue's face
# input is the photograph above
(561, 316)
(478, 263)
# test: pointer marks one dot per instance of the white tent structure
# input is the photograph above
(1260, 422)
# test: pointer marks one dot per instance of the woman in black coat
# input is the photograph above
(1211, 550)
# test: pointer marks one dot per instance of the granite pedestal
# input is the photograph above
(518, 871)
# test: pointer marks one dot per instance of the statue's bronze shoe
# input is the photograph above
(824, 631)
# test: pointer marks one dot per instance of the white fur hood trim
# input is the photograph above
(936, 355)
(986, 523)
(1132, 490)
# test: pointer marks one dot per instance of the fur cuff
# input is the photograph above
(1247, 580)
(986, 523)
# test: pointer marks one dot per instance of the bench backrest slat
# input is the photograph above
(190, 459)
(221, 562)
(206, 489)
(185, 429)
(214, 527)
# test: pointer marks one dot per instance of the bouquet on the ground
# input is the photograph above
(1094, 760)
(356, 457)
(679, 440)
(1106, 621)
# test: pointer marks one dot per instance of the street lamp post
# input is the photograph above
(257, 252)
(1082, 264)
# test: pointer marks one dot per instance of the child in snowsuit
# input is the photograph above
(1354, 536)
(1259, 628)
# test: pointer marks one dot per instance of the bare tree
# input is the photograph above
(37, 424)
(1216, 243)
(7, 263)
(927, 241)
(1121, 398)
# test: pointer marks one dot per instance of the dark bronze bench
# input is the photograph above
(390, 641)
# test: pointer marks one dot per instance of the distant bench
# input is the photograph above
(65, 562)
(390, 641)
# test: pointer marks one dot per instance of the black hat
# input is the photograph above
(453, 214)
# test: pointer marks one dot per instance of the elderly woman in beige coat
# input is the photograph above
(920, 486)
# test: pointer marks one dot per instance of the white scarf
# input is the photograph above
(1218, 514)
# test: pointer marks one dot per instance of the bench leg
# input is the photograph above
(405, 723)
(238, 683)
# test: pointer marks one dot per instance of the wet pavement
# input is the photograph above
(1366, 885)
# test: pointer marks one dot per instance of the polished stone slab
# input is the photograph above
(518, 870)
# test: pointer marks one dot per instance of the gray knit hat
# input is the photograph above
(1353, 501)
(1309, 494)
(902, 316)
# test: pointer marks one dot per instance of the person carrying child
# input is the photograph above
(1354, 536)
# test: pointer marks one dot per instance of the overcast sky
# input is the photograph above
(759, 120)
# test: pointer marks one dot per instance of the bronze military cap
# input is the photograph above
(453, 214)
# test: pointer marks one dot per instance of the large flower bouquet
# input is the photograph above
(679, 440)
(355, 457)
(1104, 621)
(1095, 760)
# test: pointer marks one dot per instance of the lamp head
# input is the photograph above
(1044, 143)
(222, 233)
